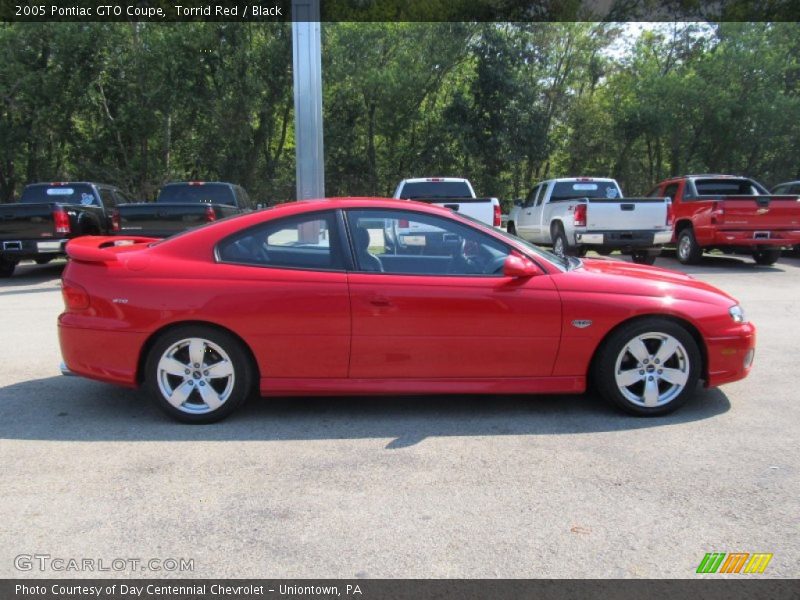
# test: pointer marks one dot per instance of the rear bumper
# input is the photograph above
(730, 357)
(110, 356)
(756, 238)
(17, 250)
(624, 239)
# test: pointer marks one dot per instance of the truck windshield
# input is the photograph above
(196, 193)
(568, 190)
(728, 187)
(67, 193)
(435, 189)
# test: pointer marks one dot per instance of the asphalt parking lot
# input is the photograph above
(447, 487)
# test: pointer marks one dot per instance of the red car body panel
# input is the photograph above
(346, 332)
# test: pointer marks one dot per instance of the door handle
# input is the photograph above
(527, 213)
(380, 301)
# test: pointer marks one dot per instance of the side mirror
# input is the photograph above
(517, 201)
(516, 266)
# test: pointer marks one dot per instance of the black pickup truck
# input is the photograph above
(180, 206)
(48, 215)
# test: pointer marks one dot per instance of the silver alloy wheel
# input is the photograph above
(652, 369)
(195, 375)
(684, 247)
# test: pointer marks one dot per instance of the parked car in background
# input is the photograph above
(454, 193)
(576, 214)
(180, 206)
(48, 215)
(307, 298)
(730, 213)
(790, 188)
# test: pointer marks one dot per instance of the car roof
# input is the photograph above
(434, 179)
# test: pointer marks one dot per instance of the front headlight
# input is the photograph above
(737, 314)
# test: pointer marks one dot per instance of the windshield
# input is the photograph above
(567, 190)
(67, 193)
(435, 189)
(196, 193)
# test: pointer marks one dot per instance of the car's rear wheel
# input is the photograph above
(198, 374)
(7, 267)
(643, 257)
(559, 238)
(767, 257)
(648, 367)
(689, 251)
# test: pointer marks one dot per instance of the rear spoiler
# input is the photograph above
(93, 248)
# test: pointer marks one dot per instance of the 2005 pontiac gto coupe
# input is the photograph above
(374, 296)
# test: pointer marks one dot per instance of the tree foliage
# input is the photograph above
(504, 104)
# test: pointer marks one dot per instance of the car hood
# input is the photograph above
(617, 277)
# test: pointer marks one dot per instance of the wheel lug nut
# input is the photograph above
(647, 362)
(187, 371)
(650, 378)
(641, 372)
(660, 371)
(205, 373)
(202, 383)
(196, 366)
(191, 382)
(657, 361)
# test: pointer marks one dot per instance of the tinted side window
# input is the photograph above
(671, 191)
(411, 243)
(532, 196)
(107, 196)
(302, 242)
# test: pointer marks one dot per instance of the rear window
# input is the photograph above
(71, 193)
(435, 189)
(728, 187)
(197, 193)
(567, 190)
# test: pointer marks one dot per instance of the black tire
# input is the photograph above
(581, 250)
(643, 257)
(685, 362)
(767, 257)
(604, 251)
(199, 386)
(689, 251)
(7, 268)
(559, 238)
(42, 261)
(511, 228)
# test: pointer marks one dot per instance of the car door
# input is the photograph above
(287, 289)
(526, 224)
(437, 306)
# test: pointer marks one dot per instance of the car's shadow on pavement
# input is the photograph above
(27, 274)
(74, 409)
(719, 263)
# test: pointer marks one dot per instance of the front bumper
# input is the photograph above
(730, 357)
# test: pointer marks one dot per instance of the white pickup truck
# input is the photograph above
(577, 214)
(451, 192)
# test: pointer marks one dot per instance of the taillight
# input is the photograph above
(210, 214)
(670, 215)
(716, 213)
(402, 223)
(115, 224)
(497, 219)
(75, 297)
(580, 215)
(61, 220)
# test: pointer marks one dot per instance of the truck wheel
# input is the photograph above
(581, 250)
(42, 261)
(689, 251)
(560, 247)
(512, 229)
(604, 251)
(643, 257)
(7, 267)
(198, 374)
(767, 257)
(648, 367)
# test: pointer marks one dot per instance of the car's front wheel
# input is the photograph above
(648, 367)
(198, 374)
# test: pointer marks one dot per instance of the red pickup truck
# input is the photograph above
(729, 213)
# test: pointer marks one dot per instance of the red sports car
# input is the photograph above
(374, 296)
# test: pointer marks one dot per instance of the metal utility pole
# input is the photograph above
(307, 71)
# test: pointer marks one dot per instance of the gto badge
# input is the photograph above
(581, 323)
(762, 211)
